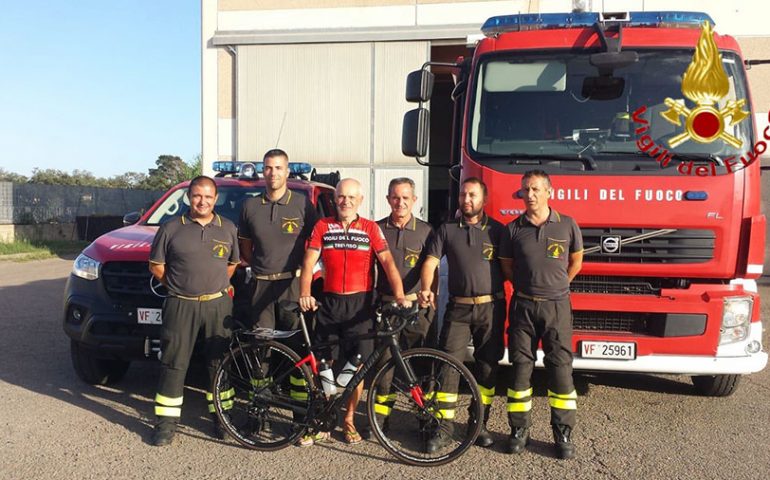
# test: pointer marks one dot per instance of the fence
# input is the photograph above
(25, 204)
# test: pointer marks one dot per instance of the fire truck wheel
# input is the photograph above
(716, 385)
(94, 370)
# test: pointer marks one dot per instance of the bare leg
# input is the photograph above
(348, 424)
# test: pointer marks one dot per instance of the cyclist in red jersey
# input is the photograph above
(347, 244)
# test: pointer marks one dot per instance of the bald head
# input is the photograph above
(347, 197)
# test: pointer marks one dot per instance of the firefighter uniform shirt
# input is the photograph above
(278, 231)
(472, 251)
(541, 254)
(408, 247)
(195, 255)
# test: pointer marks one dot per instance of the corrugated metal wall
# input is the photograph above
(337, 106)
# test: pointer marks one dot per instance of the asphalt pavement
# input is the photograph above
(55, 426)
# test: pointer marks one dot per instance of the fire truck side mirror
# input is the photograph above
(419, 86)
(414, 136)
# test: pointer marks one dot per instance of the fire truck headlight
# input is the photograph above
(736, 316)
(86, 267)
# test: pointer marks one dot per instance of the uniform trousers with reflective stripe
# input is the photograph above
(484, 324)
(549, 321)
(182, 322)
(412, 336)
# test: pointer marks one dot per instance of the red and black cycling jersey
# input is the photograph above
(347, 254)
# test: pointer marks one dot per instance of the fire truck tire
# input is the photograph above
(716, 385)
(94, 370)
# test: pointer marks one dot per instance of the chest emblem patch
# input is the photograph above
(220, 250)
(289, 225)
(411, 257)
(488, 251)
(554, 249)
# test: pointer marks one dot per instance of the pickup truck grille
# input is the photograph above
(129, 282)
(648, 245)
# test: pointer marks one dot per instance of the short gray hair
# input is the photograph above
(400, 181)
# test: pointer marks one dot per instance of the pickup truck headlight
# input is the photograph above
(86, 267)
(736, 316)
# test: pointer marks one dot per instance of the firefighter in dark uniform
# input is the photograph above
(194, 256)
(546, 253)
(476, 308)
(272, 232)
(407, 237)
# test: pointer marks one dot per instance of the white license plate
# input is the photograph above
(149, 316)
(611, 350)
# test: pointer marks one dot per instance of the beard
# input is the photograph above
(472, 212)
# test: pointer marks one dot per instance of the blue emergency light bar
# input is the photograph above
(542, 21)
(295, 168)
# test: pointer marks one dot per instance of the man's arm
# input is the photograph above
(575, 264)
(506, 265)
(306, 300)
(427, 276)
(245, 246)
(394, 277)
(158, 271)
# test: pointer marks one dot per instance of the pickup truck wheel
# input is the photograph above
(716, 385)
(94, 370)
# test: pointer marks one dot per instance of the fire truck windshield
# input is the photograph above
(541, 105)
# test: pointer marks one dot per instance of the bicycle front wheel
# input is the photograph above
(261, 397)
(439, 430)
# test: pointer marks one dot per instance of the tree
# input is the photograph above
(6, 176)
(127, 180)
(196, 167)
(169, 171)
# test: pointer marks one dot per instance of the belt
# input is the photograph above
(278, 276)
(412, 297)
(202, 298)
(478, 300)
(531, 297)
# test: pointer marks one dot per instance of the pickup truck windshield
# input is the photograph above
(537, 106)
(228, 204)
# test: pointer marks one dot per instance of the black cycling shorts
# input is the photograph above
(343, 317)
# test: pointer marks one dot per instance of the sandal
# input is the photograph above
(352, 437)
(310, 440)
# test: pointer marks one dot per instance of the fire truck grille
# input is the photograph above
(129, 282)
(615, 285)
(610, 322)
(648, 245)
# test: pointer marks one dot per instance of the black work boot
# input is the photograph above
(437, 441)
(164, 433)
(565, 449)
(485, 438)
(518, 439)
(220, 432)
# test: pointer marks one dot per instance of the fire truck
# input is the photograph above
(643, 121)
(112, 305)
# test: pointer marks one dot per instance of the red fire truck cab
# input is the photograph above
(652, 148)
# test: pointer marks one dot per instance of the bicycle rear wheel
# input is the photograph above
(440, 430)
(261, 397)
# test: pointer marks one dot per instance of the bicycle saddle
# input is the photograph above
(270, 334)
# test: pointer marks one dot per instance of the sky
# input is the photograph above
(103, 86)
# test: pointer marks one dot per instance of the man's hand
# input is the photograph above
(403, 302)
(426, 298)
(308, 303)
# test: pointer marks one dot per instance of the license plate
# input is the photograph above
(149, 316)
(610, 350)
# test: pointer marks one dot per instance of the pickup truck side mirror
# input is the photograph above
(131, 218)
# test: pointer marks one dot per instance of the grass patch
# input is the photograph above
(25, 250)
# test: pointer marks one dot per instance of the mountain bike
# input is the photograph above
(267, 397)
